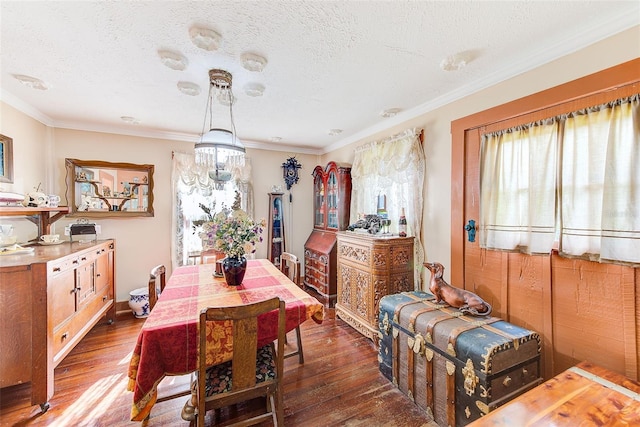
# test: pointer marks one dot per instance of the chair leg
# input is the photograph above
(300, 353)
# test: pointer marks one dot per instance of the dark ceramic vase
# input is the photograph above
(234, 269)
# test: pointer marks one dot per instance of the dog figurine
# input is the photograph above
(465, 301)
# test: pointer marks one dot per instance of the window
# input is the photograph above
(572, 176)
(190, 190)
(393, 167)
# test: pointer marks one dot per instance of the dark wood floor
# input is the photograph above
(338, 385)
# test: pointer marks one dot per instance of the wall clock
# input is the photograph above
(290, 171)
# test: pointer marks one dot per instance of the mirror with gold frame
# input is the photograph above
(100, 189)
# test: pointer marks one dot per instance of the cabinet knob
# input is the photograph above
(84, 258)
(56, 269)
(97, 274)
(507, 381)
(104, 298)
(64, 336)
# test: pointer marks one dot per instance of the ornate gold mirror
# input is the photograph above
(99, 189)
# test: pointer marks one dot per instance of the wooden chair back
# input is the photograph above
(244, 387)
(157, 282)
(290, 266)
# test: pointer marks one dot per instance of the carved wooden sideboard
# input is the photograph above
(49, 300)
(370, 267)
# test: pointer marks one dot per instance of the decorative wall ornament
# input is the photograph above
(290, 171)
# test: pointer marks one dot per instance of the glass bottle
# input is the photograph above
(402, 225)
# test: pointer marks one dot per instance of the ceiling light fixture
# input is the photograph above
(217, 145)
(253, 62)
(130, 120)
(334, 132)
(31, 82)
(391, 112)
(173, 60)
(205, 38)
(454, 62)
(189, 88)
(254, 89)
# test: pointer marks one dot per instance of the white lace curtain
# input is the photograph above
(573, 179)
(393, 167)
(192, 185)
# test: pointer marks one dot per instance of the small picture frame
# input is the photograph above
(6, 157)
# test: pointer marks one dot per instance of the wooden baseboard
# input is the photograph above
(122, 306)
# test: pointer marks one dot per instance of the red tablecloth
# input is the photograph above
(168, 341)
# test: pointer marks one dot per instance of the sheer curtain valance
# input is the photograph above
(572, 179)
(193, 185)
(394, 167)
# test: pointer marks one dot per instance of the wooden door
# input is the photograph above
(582, 310)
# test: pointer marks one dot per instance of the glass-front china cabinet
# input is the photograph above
(332, 200)
(276, 235)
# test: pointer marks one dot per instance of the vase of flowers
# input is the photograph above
(233, 269)
(234, 233)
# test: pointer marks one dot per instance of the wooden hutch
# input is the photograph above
(331, 204)
(50, 299)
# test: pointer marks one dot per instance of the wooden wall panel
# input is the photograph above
(588, 316)
(526, 290)
(528, 299)
(485, 278)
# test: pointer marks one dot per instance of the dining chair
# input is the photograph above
(290, 266)
(253, 371)
(210, 256)
(157, 282)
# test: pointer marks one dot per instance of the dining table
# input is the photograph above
(168, 340)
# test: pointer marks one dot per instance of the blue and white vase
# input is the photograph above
(139, 302)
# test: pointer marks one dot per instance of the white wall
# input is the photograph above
(32, 148)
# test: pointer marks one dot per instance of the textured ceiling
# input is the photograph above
(331, 64)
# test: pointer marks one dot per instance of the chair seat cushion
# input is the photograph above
(219, 377)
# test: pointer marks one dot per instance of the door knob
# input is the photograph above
(471, 230)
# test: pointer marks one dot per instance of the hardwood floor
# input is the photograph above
(338, 385)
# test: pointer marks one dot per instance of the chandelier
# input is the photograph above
(218, 146)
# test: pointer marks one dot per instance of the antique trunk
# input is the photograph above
(585, 394)
(457, 367)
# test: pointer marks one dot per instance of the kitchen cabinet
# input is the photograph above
(49, 300)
